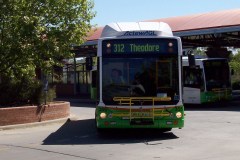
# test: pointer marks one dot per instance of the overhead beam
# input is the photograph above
(207, 31)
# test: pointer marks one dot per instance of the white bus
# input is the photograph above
(139, 72)
(207, 80)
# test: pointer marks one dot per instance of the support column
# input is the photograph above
(75, 82)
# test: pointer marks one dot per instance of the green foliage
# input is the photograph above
(200, 51)
(37, 34)
(25, 91)
(235, 65)
(18, 92)
(49, 95)
(235, 62)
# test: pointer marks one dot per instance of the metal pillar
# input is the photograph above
(75, 82)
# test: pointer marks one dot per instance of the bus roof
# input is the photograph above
(200, 58)
(136, 29)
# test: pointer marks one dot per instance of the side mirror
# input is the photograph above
(191, 60)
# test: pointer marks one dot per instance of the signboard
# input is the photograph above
(143, 46)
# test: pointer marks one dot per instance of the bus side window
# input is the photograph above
(192, 77)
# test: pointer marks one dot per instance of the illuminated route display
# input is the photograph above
(134, 46)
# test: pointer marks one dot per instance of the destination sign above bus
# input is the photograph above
(143, 46)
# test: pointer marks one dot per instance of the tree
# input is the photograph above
(235, 61)
(201, 51)
(235, 65)
(39, 33)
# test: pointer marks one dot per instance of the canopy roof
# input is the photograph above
(204, 21)
(213, 29)
(220, 19)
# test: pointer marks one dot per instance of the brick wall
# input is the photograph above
(29, 114)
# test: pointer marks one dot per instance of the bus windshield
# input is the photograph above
(193, 77)
(217, 74)
(140, 76)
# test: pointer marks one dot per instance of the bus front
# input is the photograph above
(140, 83)
(218, 80)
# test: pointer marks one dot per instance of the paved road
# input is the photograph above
(210, 133)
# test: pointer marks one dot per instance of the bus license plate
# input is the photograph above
(141, 114)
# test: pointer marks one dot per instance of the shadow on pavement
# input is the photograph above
(82, 132)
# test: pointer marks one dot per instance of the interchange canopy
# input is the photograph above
(214, 29)
(208, 26)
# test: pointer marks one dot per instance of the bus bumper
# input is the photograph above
(123, 118)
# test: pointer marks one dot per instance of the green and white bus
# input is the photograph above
(139, 72)
(208, 80)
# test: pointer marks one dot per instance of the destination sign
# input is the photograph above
(215, 63)
(133, 46)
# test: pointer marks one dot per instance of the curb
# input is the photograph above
(76, 100)
(36, 124)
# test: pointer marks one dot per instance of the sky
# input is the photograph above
(108, 11)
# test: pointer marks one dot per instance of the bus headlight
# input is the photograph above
(178, 114)
(103, 115)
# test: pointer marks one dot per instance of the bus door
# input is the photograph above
(192, 84)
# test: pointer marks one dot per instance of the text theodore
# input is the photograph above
(144, 48)
(135, 48)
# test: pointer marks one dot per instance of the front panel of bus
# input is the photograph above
(139, 80)
(218, 80)
(208, 81)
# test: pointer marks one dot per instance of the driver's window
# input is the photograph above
(164, 74)
(114, 74)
